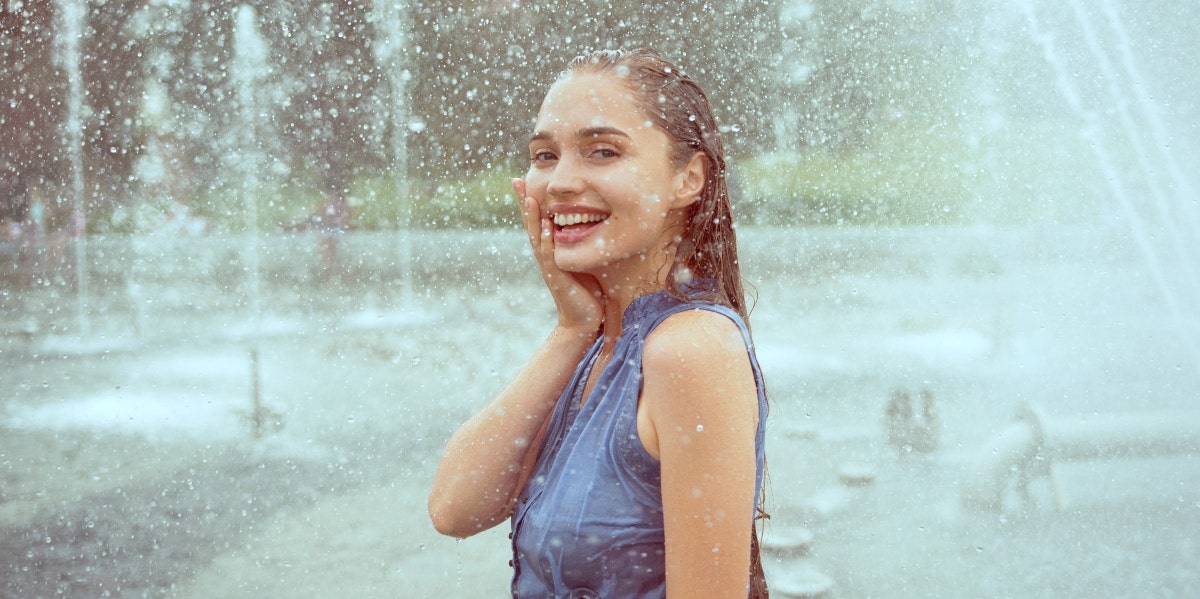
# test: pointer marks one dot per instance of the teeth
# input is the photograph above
(563, 220)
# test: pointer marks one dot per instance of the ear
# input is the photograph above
(689, 181)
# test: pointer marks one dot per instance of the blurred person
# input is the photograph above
(10, 228)
(37, 211)
(32, 232)
(179, 219)
(628, 453)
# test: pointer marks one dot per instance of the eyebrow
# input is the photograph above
(588, 132)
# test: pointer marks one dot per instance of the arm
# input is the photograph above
(487, 461)
(701, 405)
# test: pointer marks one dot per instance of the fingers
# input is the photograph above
(537, 228)
(530, 213)
(577, 296)
(518, 186)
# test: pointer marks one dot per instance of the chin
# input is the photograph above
(576, 264)
(585, 259)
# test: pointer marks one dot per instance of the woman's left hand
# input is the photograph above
(576, 296)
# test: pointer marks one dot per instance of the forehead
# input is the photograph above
(581, 100)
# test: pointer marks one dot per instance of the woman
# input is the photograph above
(628, 453)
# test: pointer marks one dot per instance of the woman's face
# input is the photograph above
(602, 172)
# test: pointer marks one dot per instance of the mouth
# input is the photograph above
(571, 226)
(572, 220)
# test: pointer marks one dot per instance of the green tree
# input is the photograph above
(32, 108)
(482, 67)
(859, 67)
(328, 118)
(34, 149)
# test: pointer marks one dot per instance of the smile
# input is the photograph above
(566, 220)
(574, 225)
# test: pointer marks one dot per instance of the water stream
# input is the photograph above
(72, 22)
(1173, 274)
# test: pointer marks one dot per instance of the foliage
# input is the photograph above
(325, 101)
(413, 109)
(473, 201)
(35, 89)
(381, 202)
(483, 201)
(852, 69)
(277, 206)
(901, 178)
(1033, 170)
(31, 108)
(479, 93)
(1022, 172)
(329, 115)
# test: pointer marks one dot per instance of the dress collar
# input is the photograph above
(657, 301)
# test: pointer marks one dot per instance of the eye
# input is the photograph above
(542, 155)
(604, 153)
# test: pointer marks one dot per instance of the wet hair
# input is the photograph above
(708, 245)
(678, 107)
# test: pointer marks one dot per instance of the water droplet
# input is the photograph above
(699, 428)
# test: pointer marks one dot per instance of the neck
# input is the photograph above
(624, 280)
(620, 292)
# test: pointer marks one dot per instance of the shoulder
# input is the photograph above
(696, 371)
(694, 335)
(696, 353)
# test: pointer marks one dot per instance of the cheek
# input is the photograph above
(653, 203)
(535, 183)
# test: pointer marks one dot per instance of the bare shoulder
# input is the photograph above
(694, 337)
(694, 354)
(696, 373)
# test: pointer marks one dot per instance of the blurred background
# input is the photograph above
(259, 259)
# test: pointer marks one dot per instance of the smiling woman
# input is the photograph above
(628, 453)
(594, 157)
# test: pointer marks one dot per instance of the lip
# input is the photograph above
(575, 232)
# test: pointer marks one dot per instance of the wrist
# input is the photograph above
(582, 333)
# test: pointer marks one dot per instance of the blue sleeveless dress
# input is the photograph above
(589, 522)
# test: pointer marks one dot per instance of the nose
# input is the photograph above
(567, 178)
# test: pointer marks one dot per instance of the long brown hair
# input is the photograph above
(679, 108)
(708, 246)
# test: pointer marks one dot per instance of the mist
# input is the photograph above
(259, 260)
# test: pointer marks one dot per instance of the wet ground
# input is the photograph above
(132, 462)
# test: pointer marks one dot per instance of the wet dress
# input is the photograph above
(589, 522)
